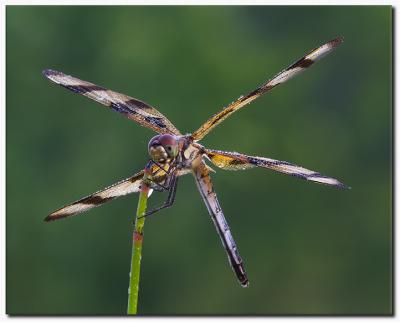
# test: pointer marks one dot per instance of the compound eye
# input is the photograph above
(163, 147)
(154, 142)
(170, 144)
(167, 139)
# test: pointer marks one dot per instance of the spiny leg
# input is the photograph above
(160, 167)
(158, 186)
(154, 171)
(170, 173)
(170, 199)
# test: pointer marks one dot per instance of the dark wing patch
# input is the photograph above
(122, 188)
(132, 108)
(288, 73)
(237, 161)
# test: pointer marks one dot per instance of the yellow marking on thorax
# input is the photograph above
(192, 155)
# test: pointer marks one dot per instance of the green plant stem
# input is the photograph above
(134, 275)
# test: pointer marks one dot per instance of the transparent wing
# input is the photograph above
(203, 180)
(122, 188)
(280, 78)
(236, 161)
(132, 108)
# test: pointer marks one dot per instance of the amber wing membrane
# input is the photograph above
(237, 161)
(203, 180)
(280, 78)
(132, 108)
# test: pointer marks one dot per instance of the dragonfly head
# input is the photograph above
(163, 147)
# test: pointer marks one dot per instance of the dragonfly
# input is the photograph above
(173, 154)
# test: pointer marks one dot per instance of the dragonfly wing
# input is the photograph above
(280, 78)
(122, 188)
(203, 180)
(237, 161)
(132, 108)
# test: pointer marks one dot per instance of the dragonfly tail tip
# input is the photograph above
(343, 186)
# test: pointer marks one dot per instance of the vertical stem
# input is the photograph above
(134, 275)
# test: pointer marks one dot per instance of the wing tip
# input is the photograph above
(49, 218)
(50, 73)
(337, 184)
(337, 41)
(54, 216)
(318, 178)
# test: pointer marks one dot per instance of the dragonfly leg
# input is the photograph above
(170, 199)
(162, 187)
(160, 167)
(158, 186)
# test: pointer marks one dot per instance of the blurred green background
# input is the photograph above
(308, 249)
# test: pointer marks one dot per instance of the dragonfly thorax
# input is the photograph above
(163, 147)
